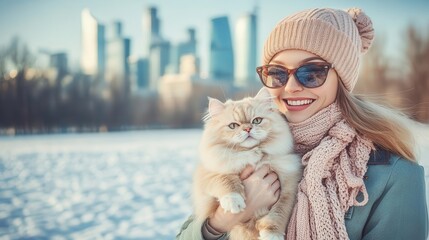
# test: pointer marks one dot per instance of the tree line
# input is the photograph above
(403, 83)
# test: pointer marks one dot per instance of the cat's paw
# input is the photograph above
(268, 235)
(232, 202)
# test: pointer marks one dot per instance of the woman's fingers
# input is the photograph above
(271, 178)
(262, 189)
(263, 175)
(277, 196)
(246, 172)
(276, 186)
(262, 171)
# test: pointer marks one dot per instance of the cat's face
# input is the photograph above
(245, 123)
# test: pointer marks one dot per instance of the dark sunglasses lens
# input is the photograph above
(312, 75)
(274, 77)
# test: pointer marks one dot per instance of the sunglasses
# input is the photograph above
(309, 75)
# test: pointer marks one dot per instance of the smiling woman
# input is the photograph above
(358, 157)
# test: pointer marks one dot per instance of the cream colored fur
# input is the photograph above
(225, 152)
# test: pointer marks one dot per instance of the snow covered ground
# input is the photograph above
(126, 185)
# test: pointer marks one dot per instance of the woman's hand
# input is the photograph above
(262, 189)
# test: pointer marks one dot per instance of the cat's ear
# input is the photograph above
(263, 94)
(265, 97)
(215, 106)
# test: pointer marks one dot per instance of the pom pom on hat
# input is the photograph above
(364, 25)
(340, 37)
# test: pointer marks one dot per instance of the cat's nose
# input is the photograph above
(248, 129)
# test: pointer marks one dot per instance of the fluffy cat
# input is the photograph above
(253, 132)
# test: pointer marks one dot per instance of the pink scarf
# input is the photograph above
(334, 156)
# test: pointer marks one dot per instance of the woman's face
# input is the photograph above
(295, 101)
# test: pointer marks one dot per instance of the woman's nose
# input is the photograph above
(293, 85)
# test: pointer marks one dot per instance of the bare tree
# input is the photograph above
(19, 55)
(3, 69)
(417, 59)
(374, 70)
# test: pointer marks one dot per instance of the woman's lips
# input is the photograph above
(297, 104)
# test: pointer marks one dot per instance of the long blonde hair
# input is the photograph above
(385, 127)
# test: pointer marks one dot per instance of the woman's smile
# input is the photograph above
(297, 104)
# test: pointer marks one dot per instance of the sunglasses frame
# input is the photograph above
(290, 72)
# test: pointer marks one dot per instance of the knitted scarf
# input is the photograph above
(334, 157)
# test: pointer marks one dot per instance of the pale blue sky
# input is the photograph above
(55, 24)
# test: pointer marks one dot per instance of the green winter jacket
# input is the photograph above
(396, 208)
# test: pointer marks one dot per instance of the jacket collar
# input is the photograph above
(379, 156)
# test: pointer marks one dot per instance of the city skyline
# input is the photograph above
(47, 25)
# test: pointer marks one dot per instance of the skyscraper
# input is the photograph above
(58, 65)
(93, 45)
(159, 58)
(59, 61)
(151, 28)
(139, 73)
(221, 52)
(117, 67)
(245, 50)
(188, 47)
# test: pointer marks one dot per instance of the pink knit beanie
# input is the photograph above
(339, 37)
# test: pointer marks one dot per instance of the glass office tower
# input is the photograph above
(221, 52)
(93, 45)
(245, 50)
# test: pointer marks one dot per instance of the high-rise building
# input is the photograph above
(151, 28)
(221, 52)
(159, 59)
(59, 61)
(177, 89)
(117, 66)
(57, 71)
(139, 69)
(93, 45)
(157, 49)
(188, 47)
(190, 66)
(245, 50)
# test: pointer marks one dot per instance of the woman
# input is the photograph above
(360, 178)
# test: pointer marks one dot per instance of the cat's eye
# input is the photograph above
(233, 125)
(257, 120)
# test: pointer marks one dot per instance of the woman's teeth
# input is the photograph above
(299, 102)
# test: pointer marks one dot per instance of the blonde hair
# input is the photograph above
(384, 127)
